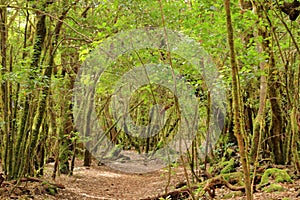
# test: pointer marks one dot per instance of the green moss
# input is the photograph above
(278, 175)
(210, 170)
(50, 189)
(232, 194)
(274, 188)
(227, 166)
(233, 175)
(235, 178)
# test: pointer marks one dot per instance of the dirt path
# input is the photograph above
(101, 182)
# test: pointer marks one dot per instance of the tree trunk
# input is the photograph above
(38, 118)
(239, 128)
(87, 158)
(259, 121)
(276, 125)
(4, 104)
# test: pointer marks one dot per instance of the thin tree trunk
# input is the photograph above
(87, 158)
(21, 131)
(295, 130)
(259, 121)
(237, 107)
(276, 125)
(4, 104)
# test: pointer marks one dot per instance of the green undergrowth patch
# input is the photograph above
(49, 188)
(277, 175)
(234, 178)
(227, 166)
(274, 187)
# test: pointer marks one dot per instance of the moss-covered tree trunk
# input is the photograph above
(35, 67)
(4, 103)
(276, 129)
(259, 122)
(22, 132)
(239, 128)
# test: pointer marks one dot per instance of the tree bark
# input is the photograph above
(276, 125)
(239, 128)
(259, 121)
(38, 46)
(4, 103)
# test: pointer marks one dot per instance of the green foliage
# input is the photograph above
(203, 21)
(236, 177)
(279, 176)
(227, 166)
(274, 188)
(49, 188)
(147, 96)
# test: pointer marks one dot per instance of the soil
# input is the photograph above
(102, 182)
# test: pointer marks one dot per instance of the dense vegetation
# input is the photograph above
(254, 46)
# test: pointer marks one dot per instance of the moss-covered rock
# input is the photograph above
(234, 178)
(278, 175)
(274, 188)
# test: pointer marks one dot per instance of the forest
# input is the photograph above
(153, 100)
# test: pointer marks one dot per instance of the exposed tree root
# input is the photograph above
(182, 193)
(16, 188)
(210, 187)
(218, 182)
(32, 179)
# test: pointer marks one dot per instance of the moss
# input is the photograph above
(210, 170)
(232, 194)
(229, 153)
(278, 175)
(227, 166)
(50, 189)
(235, 178)
(274, 188)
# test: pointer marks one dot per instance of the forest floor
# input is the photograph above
(101, 182)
